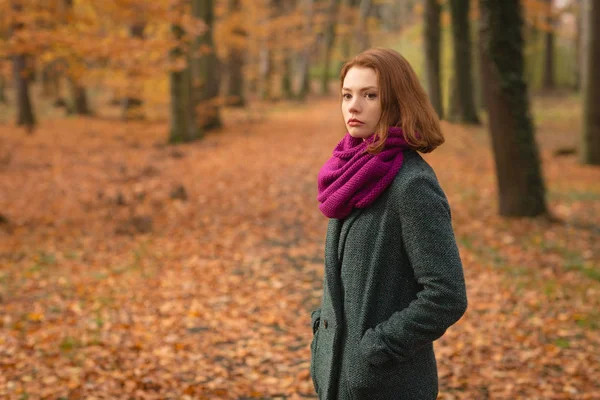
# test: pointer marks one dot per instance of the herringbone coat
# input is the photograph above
(393, 284)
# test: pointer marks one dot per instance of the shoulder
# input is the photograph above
(416, 182)
(414, 171)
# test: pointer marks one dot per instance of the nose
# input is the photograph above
(354, 107)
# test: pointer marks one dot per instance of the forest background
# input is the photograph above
(159, 230)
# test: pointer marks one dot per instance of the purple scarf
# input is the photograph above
(353, 178)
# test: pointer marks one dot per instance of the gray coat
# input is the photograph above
(393, 284)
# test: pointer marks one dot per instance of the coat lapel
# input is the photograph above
(337, 232)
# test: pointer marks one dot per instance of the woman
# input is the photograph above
(393, 280)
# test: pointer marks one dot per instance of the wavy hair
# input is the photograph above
(404, 102)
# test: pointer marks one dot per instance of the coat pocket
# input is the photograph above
(366, 381)
(313, 353)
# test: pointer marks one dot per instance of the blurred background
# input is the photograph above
(159, 230)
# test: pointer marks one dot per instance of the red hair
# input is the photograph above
(404, 102)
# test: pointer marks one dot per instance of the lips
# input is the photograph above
(355, 122)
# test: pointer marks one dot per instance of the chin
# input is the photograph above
(359, 133)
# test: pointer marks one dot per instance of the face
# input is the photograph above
(361, 105)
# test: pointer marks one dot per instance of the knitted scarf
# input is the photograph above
(353, 178)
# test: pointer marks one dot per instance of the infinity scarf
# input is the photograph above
(353, 178)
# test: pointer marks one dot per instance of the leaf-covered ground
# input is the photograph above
(132, 269)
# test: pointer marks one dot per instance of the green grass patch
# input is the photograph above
(562, 343)
(579, 265)
(590, 321)
(573, 195)
(70, 343)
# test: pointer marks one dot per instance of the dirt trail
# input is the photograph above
(213, 300)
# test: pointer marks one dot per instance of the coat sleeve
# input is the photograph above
(429, 242)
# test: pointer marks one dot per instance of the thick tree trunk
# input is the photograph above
(332, 11)
(183, 123)
(433, 54)
(235, 60)
(461, 33)
(549, 82)
(590, 140)
(206, 69)
(519, 177)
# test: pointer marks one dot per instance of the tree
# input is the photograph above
(206, 68)
(183, 124)
(332, 11)
(433, 54)
(461, 33)
(132, 103)
(578, 64)
(520, 185)
(362, 33)
(3, 99)
(22, 76)
(235, 59)
(305, 55)
(549, 81)
(590, 140)
(79, 101)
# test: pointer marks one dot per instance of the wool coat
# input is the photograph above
(393, 283)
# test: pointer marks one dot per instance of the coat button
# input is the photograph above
(325, 324)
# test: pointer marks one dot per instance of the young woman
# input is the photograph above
(393, 280)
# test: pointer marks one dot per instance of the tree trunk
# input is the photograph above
(578, 64)
(549, 82)
(235, 59)
(132, 102)
(3, 99)
(265, 69)
(183, 124)
(433, 54)
(362, 33)
(454, 112)
(22, 76)
(461, 33)
(79, 105)
(520, 184)
(332, 11)
(345, 7)
(206, 69)
(305, 56)
(590, 141)
(287, 90)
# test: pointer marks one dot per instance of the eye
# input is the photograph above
(371, 96)
(347, 96)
